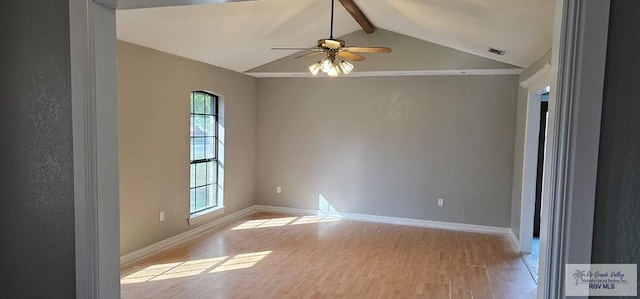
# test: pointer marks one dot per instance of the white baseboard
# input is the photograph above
(177, 239)
(286, 210)
(389, 220)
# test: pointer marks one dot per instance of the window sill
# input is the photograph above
(205, 216)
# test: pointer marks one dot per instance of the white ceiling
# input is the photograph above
(239, 35)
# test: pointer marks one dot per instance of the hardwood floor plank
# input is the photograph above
(282, 256)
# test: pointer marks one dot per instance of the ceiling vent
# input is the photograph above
(496, 51)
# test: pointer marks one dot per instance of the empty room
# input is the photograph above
(326, 149)
(319, 149)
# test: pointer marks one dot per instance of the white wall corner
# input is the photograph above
(539, 79)
(515, 240)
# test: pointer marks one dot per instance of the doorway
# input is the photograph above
(542, 141)
(531, 199)
(532, 258)
(531, 202)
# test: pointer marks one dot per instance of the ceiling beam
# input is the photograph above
(357, 15)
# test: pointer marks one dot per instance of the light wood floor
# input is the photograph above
(281, 256)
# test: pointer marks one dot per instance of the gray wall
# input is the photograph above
(616, 236)
(36, 159)
(153, 107)
(518, 151)
(390, 145)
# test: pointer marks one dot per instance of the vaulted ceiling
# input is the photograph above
(239, 35)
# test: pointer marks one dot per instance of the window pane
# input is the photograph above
(201, 197)
(209, 126)
(211, 196)
(199, 125)
(198, 103)
(192, 127)
(210, 147)
(198, 148)
(207, 104)
(212, 168)
(206, 199)
(201, 174)
(192, 172)
(204, 148)
(191, 150)
(192, 200)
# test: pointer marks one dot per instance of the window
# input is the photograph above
(203, 184)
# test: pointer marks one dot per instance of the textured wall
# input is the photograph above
(36, 169)
(390, 145)
(616, 236)
(516, 197)
(153, 107)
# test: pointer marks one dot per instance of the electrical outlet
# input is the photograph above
(278, 189)
(161, 216)
(441, 202)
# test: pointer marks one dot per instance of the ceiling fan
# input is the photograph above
(337, 54)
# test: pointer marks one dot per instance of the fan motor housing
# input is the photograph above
(331, 43)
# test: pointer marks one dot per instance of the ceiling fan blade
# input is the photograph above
(350, 56)
(367, 49)
(295, 49)
(309, 54)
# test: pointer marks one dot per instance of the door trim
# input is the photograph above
(530, 165)
(95, 149)
(575, 105)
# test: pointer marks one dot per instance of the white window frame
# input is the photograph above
(213, 160)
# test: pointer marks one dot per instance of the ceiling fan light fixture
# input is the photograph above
(315, 68)
(346, 67)
(331, 67)
(327, 65)
(334, 71)
(335, 49)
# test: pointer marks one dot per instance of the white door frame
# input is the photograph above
(577, 72)
(95, 149)
(575, 104)
(535, 86)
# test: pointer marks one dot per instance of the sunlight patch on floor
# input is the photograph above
(241, 261)
(279, 222)
(274, 222)
(195, 267)
(316, 219)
